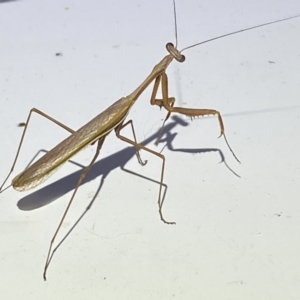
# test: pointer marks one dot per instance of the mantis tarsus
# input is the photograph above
(113, 118)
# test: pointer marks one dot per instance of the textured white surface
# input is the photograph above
(235, 238)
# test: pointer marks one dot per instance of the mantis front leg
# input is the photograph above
(168, 103)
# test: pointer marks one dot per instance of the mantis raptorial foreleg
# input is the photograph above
(168, 103)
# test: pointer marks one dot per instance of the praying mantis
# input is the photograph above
(113, 119)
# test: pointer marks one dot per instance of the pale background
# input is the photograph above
(235, 238)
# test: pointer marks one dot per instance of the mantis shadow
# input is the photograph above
(57, 189)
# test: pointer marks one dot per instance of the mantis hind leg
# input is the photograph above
(168, 103)
(25, 125)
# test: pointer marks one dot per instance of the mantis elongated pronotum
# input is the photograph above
(113, 118)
